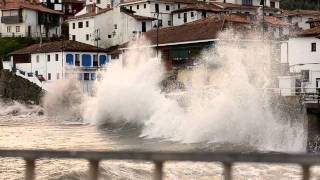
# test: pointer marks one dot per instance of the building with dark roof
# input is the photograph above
(22, 18)
(51, 61)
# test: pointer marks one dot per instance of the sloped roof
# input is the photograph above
(90, 14)
(300, 12)
(57, 46)
(26, 5)
(194, 31)
(201, 7)
(169, 1)
(310, 32)
(238, 18)
(138, 17)
(275, 21)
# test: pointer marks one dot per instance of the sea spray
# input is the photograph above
(234, 109)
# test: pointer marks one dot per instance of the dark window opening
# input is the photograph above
(145, 6)
(57, 57)
(80, 24)
(138, 7)
(185, 19)
(77, 60)
(167, 7)
(192, 14)
(87, 23)
(143, 28)
(157, 8)
(73, 37)
(49, 76)
(73, 25)
(169, 23)
(86, 76)
(87, 37)
(48, 58)
(313, 47)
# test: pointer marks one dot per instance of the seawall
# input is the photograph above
(13, 87)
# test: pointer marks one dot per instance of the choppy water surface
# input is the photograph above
(38, 132)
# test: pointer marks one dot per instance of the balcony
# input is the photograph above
(11, 19)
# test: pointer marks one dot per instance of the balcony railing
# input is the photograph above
(11, 19)
(159, 158)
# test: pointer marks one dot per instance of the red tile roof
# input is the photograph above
(201, 7)
(300, 12)
(194, 31)
(275, 21)
(239, 6)
(57, 46)
(310, 32)
(238, 18)
(168, 1)
(26, 5)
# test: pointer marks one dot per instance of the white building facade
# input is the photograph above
(29, 21)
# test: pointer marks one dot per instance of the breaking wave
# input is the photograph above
(224, 97)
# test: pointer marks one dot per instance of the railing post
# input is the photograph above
(305, 172)
(30, 167)
(93, 169)
(158, 174)
(227, 171)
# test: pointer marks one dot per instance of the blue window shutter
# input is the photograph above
(86, 60)
(69, 59)
(102, 59)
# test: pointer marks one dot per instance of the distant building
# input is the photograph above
(300, 18)
(108, 27)
(301, 63)
(68, 7)
(159, 9)
(268, 3)
(22, 18)
(43, 64)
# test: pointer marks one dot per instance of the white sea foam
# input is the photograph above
(234, 109)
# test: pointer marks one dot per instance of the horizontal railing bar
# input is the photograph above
(305, 159)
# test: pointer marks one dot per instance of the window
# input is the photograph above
(167, 7)
(37, 58)
(98, 1)
(313, 47)
(179, 16)
(86, 76)
(48, 57)
(57, 57)
(87, 37)
(73, 37)
(80, 24)
(17, 28)
(272, 4)
(143, 28)
(160, 22)
(169, 23)
(36, 73)
(87, 23)
(93, 76)
(77, 60)
(109, 36)
(156, 6)
(58, 76)
(178, 5)
(137, 6)
(247, 2)
(185, 19)
(130, 8)
(145, 6)
(192, 14)
(115, 26)
(73, 25)
(95, 60)
(49, 76)
(8, 29)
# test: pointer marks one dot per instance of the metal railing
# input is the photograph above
(159, 158)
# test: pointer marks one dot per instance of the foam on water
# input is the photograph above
(234, 109)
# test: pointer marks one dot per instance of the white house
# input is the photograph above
(51, 61)
(108, 27)
(159, 9)
(193, 12)
(21, 18)
(301, 55)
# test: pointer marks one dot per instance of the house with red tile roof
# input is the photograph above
(26, 19)
(299, 17)
(108, 27)
(51, 61)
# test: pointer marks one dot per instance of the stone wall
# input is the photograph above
(17, 88)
